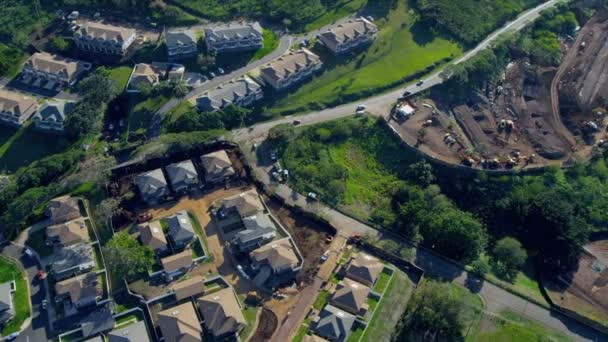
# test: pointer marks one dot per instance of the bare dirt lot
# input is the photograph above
(267, 325)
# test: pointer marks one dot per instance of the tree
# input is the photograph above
(59, 43)
(281, 133)
(508, 256)
(420, 173)
(126, 257)
(432, 314)
(480, 268)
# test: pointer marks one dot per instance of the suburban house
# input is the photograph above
(43, 66)
(276, 261)
(189, 288)
(350, 35)
(364, 269)
(15, 108)
(63, 209)
(177, 264)
(334, 324)
(102, 38)
(180, 323)
(152, 186)
(7, 309)
(82, 291)
(51, 116)
(218, 167)
(151, 234)
(180, 43)
(351, 296)
(182, 176)
(234, 37)
(136, 332)
(98, 321)
(259, 230)
(245, 204)
(313, 338)
(181, 231)
(72, 260)
(290, 69)
(68, 233)
(222, 313)
(149, 75)
(242, 91)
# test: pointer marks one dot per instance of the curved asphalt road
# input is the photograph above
(39, 328)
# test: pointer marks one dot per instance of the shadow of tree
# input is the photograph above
(422, 33)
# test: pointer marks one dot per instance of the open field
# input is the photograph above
(402, 48)
(141, 113)
(271, 42)
(26, 145)
(121, 75)
(339, 9)
(10, 271)
(355, 171)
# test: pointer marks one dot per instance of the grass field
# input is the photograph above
(381, 282)
(250, 313)
(322, 299)
(519, 328)
(339, 9)
(402, 48)
(26, 145)
(121, 75)
(11, 271)
(271, 42)
(371, 157)
(141, 114)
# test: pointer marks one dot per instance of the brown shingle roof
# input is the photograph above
(278, 255)
(221, 312)
(364, 268)
(180, 324)
(290, 63)
(54, 64)
(106, 32)
(348, 30)
(177, 261)
(151, 234)
(351, 296)
(149, 74)
(189, 288)
(63, 209)
(80, 287)
(247, 203)
(69, 232)
(16, 104)
(217, 164)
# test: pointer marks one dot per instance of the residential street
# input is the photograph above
(496, 299)
(38, 330)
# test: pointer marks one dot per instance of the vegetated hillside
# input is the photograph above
(470, 20)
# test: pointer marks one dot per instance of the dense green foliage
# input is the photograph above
(168, 144)
(357, 163)
(228, 118)
(126, 257)
(470, 20)
(432, 314)
(97, 90)
(508, 256)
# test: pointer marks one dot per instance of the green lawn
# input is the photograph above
(381, 282)
(121, 75)
(27, 145)
(250, 313)
(471, 309)
(339, 9)
(201, 234)
(11, 271)
(302, 330)
(271, 42)
(388, 311)
(356, 334)
(141, 115)
(521, 329)
(401, 49)
(182, 107)
(322, 299)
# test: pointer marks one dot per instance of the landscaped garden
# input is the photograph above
(404, 47)
(10, 271)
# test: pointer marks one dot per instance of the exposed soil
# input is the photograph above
(308, 234)
(267, 324)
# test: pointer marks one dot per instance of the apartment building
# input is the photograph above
(51, 116)
(180, 43)
(348, 36)
(103, 38)
(16, 108)
(290, 69)
(241, 92)
(234, 37)
(53, 68)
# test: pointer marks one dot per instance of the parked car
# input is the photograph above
(144, 217)
(312, 196)
(221, 71)
(325, 256)
(273, 155)
(29, 252)
(41, 275)
(419, 83)
(110, 127)
(212, 74)
(44, 304)
(370, 18)
(296, 122)
(361, 107)
(407, 93)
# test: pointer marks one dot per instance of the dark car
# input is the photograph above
(419, 83)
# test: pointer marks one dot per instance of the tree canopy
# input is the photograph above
(126, 257)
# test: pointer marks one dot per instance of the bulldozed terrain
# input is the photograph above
(535, 116)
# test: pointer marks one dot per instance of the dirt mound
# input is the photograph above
(268, 323)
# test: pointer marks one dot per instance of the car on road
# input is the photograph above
(273, 155)
(419, 83)
(361, 107)
(220, 71)
(296, 122)
(407, 93)
(312, 196)
(211, 74)
(44, 304)
(325, 256)
(370, 18)
(12, 336)
(29, 252)
(41, 275)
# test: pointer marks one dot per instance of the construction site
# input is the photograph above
(535, 116)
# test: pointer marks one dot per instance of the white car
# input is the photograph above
(312, 196)
(29, 252)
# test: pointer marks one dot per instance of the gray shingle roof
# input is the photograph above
(334, 323)
(227, 94)
(255, 227)
(222, 312)
(54, 111)
(233, 31)
(178, 38)
(182, 174)
(180, 226)
(66, 258)
(136, 332)
(152, 183)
